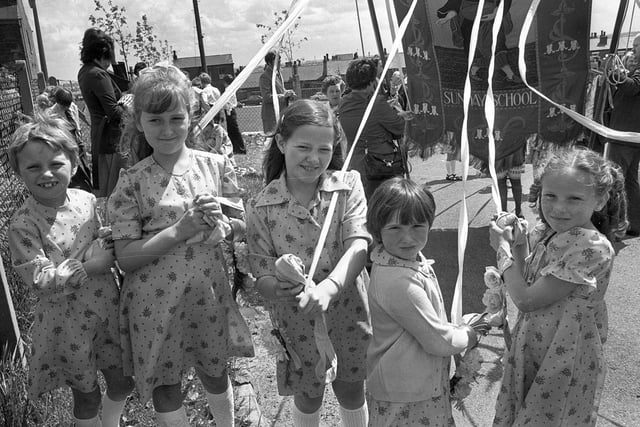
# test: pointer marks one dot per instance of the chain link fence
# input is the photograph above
(12, 191)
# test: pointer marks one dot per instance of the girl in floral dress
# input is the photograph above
(58, 248)
(301, 170)
(410, 351)
(554, 370)
(167, 216)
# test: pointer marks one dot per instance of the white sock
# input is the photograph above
(221, 407)
(300, 419)
(111, 411)
(91, 422)
(355, 417)
(177, 418)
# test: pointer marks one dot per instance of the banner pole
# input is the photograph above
(376, 30)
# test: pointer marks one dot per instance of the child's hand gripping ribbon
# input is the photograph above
(291, 269)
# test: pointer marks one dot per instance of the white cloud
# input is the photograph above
(230, 26)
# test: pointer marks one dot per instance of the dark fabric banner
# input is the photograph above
(563, 58)
(436, 48)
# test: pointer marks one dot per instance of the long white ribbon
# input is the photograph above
(334, 198)
(296, 10)
(463, 226)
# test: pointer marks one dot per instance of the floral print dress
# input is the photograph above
(278, 224)
(75, 332)
(175, 311)
(554, 370)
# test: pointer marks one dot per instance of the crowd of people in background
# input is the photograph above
(173, 202)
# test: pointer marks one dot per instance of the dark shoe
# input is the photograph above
(451, 177)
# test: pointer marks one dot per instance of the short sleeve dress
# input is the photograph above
(278, 224)
(74, 333)
(175, 310)
(554, 370)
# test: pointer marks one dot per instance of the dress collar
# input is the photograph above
(276, 192)
(380, 256)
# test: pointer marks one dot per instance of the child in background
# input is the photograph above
(555, 367)
(58, 248)
(167, 216)
(410, 351)
(301, 170)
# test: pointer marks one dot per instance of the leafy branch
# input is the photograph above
(290, 41)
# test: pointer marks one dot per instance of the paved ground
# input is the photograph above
(620, 405)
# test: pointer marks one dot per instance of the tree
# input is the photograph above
(149, 48)
(289, 41)
(114, 23)
(146, 45)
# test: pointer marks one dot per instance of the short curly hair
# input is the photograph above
(361, 73)
(332, 81)
(96, 44)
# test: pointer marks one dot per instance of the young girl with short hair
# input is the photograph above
(58, 248)
(167, 218)
(554, 370)
(412, 344)
(302, 173)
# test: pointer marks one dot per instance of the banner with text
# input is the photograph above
(436, 50)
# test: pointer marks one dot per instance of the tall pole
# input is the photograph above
(36, 20)
(376, 30)
(203, 59)
(601, 98)
(617, 28)
(360, 28)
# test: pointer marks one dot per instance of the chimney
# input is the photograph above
(325, 71)
(603, 39)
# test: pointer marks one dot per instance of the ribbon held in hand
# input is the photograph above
(291, 269)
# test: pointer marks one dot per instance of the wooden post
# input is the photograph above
(24, 85)
(9, 331)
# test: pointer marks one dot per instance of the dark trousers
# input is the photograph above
(628, 157)
(234, 133)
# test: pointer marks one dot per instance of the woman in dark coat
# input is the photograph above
(101, 95)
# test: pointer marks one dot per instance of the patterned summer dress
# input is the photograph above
(554, 371)
(74, 333)
(276, 225)
(175, 310)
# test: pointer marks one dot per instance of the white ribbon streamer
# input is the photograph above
(334, 198)
(463, 226)
(296, 10)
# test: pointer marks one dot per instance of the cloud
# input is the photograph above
(229, 26)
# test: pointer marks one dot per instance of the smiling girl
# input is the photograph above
(167, 218)
(58, 249)
(301, 169)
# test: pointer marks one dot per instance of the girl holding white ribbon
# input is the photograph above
(285, 219)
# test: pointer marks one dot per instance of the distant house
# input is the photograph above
(599, 43)
(309, 73)
(217, 66)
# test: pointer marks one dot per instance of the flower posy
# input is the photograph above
(467, 372)
(493, 300)
(492, 277)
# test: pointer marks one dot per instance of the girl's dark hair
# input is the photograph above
(607, 180)
(63, 96)
(361, 73)
(158, 89)
(402, 200)
(301, 113)
(96, 44)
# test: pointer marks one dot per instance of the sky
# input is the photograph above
(229, 26)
